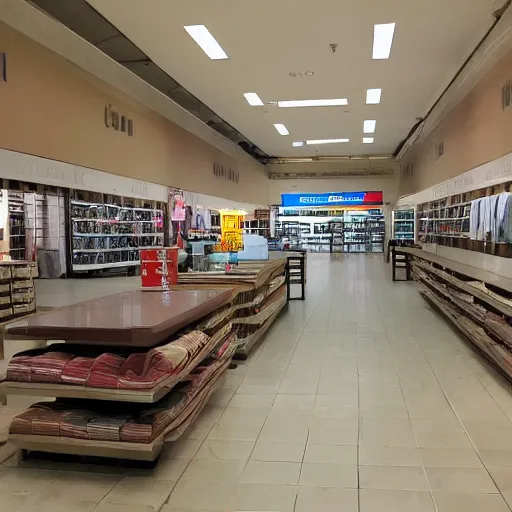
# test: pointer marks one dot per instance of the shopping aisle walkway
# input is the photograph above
(360, 399)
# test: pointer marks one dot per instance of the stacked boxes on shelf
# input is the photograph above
(17, 293)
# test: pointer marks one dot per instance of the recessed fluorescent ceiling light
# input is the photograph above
(369, 126)
(373, 96)
(253, 99)
(298, 144)
(325, 141)
(367, 140)
(312, 103)
(281, 128)
(382, 40)
(201, 35)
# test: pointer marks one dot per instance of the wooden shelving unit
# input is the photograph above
(446, 222)
(17, 226)
(17, 292)
(476, 301)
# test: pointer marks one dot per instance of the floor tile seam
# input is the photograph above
(119, 479)
(358, 438)
(190, 461)
(268, 415)
(463, 427)
(414, 432)
(495, 373)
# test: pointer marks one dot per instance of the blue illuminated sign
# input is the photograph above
(332, 199)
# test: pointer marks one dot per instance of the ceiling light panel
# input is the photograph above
(326, 141)
(369, 126)
(382, 40)
(373, 96)
(281, 128)
(298, 144)
(312, 103)
(201, 35)
(253, 99)
(367, 140)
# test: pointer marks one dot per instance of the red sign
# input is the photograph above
(159, 267)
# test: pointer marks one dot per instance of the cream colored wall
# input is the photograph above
(387, 184)
(475, 132)
(52, 109)
(388, 187)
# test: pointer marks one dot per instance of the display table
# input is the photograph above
(476, 301)
(119, 398)
(133, 318)
(258, 296)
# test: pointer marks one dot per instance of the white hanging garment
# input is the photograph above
(474, 219)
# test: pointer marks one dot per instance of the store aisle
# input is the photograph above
(361, 398)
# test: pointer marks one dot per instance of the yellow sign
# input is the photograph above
(232, 233)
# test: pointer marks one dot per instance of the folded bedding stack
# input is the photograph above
(133, 423)
(251, 312)
(138, 371)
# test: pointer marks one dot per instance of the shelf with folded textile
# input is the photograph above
(115, 400)
(477, 221)
(258, 297)
(481, 311)
(142, 377)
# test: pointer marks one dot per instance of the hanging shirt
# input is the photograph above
(484, 226)
(474, 219)
(505, 218)
(494, 222)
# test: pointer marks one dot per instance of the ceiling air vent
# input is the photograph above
(506, 95)
(438, 150)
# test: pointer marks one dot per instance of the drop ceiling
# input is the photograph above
(280, 49)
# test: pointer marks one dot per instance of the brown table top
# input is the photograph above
(135, 318)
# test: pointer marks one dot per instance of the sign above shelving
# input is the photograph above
(332, 199)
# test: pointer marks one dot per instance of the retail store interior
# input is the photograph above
(255, 257)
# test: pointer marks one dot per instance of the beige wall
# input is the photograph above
(475, 132)
(50, 108)
(387, 184)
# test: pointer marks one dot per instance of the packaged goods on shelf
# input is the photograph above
(109, 236)
(112, 421)
(481, 310)
(259, 288)
(125, 400)
(479, 220)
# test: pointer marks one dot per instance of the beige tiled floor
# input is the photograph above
(361, 399)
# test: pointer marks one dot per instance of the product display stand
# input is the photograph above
(78, 423)
(259, 295)
(476, 301)
(107, 236)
